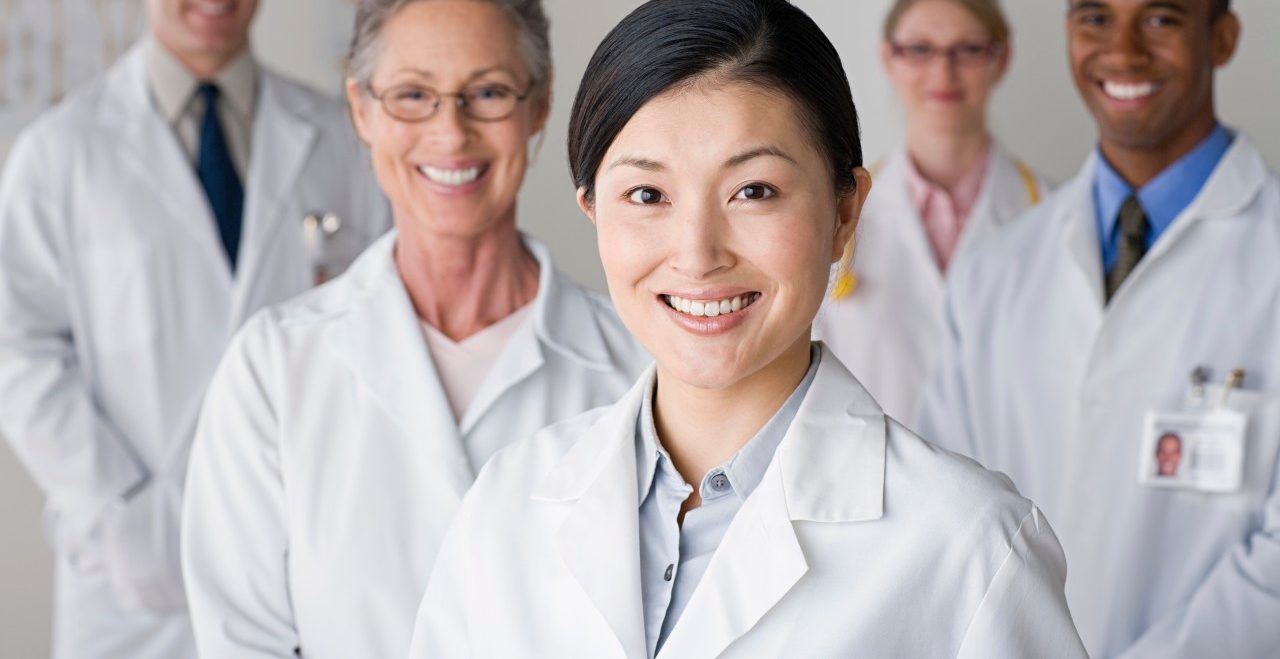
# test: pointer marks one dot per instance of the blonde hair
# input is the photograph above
(988, 13)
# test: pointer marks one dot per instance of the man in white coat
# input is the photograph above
(1086, 330)
(141, 221)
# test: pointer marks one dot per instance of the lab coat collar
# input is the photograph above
(1003, 196)
(283, 138)
(829, 468)
(563, 320)
(1234, 185)
(379, 339)
(149, 148)
(565, 316)
(831, 459)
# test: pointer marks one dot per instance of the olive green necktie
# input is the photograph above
(1133, 244)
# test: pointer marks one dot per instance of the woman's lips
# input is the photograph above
(709, 316)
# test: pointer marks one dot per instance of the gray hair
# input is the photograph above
(527, 15)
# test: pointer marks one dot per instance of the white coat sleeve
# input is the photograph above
(1024, 612)
(47, 411)
(1236, 610)
(234, 542)
(944, 405)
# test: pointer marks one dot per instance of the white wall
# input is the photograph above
(1036, 114)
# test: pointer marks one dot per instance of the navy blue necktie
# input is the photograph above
(218, 175)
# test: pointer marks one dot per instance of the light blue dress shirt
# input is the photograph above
(1163, 197)
(674, 557)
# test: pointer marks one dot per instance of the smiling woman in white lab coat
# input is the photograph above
(715, 148)
(945, 190)
(342, 429)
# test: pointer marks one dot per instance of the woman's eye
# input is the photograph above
(491, 93)
(645, 196)
(755, 192)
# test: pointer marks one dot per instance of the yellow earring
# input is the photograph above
(846, 281)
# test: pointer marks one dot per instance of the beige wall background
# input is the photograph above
(1036, 115)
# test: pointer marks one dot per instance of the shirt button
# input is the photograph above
(670, 568)
(719, 482)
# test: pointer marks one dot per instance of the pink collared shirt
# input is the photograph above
(945, 213)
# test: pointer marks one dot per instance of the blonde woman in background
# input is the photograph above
(949, 186)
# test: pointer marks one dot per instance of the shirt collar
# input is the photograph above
(1164, 197)
(745, 468)
(174, 87)
(963, 196)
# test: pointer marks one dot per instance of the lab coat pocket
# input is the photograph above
(1261, 410)
(120, 296)
(140, 549)
(1262, 446)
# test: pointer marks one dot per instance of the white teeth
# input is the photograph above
(1128, 92)
(451, 177)
(712, 308)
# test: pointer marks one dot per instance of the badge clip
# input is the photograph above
(1234, 379)
(318, 231)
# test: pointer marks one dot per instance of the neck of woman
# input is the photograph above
(463, 284)
(944, 158)
(701, 428)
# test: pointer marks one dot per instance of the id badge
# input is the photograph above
(1199, 450)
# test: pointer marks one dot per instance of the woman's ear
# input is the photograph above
(584, 203)
(849, 210)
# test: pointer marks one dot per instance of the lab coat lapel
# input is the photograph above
(1003, 196)
(381, 340)
(1232, 186)
(151, 151)
(561, 320)
(758, 562)
(283, 138)
(907, 225)
(599, 540)
(828, 469)
(1076, 220)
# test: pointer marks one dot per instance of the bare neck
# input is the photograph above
(1139, 165)
(944, 158)
(461, 285)
(701, 428)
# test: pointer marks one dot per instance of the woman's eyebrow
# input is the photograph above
(639, 163)
(758, 152)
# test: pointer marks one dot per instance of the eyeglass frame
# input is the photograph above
(459, 101)
(990, 51)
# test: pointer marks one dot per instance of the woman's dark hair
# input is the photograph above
(665, 44)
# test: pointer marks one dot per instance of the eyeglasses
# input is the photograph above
(414, 103)
(962, 54)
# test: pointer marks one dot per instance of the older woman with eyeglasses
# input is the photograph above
(343, 427)
(940, 194)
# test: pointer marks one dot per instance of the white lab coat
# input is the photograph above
(328, 462)
(862, 540)
(117, 300)
(1045, 383)
(889, 330)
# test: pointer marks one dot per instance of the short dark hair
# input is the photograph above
(667, 43)
(1220, 7)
